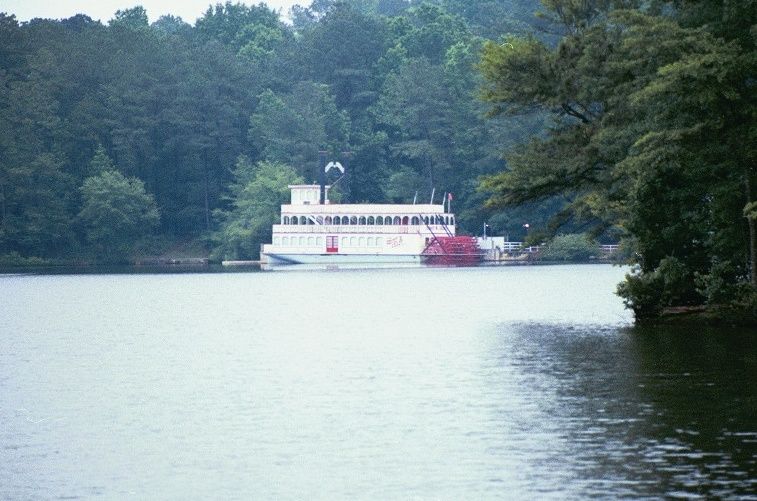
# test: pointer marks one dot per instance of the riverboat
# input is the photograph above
(312, 230)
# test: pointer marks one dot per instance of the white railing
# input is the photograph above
(500, 250)
(363, 228)
(609, 249)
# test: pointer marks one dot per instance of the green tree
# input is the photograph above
(342, 50)
(116, 212)
(653, 134)
(256, 196)
(134, 18)
(34, 187)
(292, 128)
(428, 31)
(100, 163)
(414, 107)
(233, 24)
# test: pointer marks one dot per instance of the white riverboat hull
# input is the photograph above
(272, 258)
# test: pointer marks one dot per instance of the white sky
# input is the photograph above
(188, 10)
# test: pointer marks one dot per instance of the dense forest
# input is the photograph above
(622, 120)
(135, 138)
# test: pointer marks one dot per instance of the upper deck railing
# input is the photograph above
(358, 228)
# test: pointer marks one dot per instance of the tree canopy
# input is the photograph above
(653, 135)
(174, 105)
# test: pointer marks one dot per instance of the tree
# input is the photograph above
(292, 128)
(34, 205)
(428, 31)
(231, 23)
(414, 106)
(256, 196)
(652, 135)
(116, 212)
(100, 163)
(492, 18)
(133, 18)
(342, 50)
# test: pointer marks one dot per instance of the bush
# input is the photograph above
(670, 284)
(572, 247)
(725, 283)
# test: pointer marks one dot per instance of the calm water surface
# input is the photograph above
(487, 383)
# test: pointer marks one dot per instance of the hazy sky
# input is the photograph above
(188, 10)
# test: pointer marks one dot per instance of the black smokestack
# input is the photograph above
(322, 175)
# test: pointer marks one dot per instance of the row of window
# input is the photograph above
(318, 241)
(370, 220)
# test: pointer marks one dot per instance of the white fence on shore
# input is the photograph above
(497, 247)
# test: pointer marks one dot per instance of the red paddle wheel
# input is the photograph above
(453, 251)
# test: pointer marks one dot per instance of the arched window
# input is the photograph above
(303, 220)
(285, 220)
(388, 220)
(276, 240)
(452, 220)
(345, 220)
(319, 241)
(379, 242)
(336, 220)
(361, 220)
(397, 220)
(380, 220)
(446, 220)
(353, 220)
(311, 241)
(371, 220)
(425, 219)
(415, 220)
(285, 241)
(353, 242)
(405, 220)
(328, 219)
(370, 241)
(345, 241)
(361, 242)
(319, 219)
(302, 241)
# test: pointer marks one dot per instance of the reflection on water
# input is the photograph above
(525, 382)
(647, 411)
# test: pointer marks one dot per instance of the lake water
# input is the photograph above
(482, 383)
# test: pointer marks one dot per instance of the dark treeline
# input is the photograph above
(132, 137)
